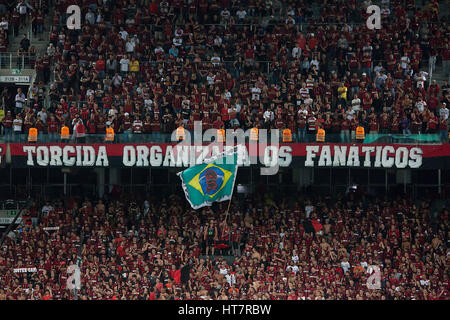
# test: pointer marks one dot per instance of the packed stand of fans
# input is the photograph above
(152, 68)
(308, 248)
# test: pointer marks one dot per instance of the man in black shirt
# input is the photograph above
(25, 43)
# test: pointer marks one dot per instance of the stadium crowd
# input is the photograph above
(151, 67)
(303, 248)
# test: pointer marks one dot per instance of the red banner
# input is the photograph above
(2, 154)
(284, 155)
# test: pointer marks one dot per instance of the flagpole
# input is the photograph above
(232, 190)
(228, 209)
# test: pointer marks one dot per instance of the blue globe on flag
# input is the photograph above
(211, 180)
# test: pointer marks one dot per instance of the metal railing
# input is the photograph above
(130, 138)
(15, 61)
(431, 66)
(41, 191)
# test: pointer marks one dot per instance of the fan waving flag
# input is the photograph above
(212, 181)
(316, 225)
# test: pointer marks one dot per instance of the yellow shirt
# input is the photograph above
(342, 91)
(2, 114)
(134, 66)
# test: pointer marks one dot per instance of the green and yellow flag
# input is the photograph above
(212, 181)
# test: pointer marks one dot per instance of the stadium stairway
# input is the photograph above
(39, 42)
(438, 73)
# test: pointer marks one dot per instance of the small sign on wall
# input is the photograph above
(15, 79)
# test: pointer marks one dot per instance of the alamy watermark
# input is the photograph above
(74, 279)
(260, 147)
(374, 280)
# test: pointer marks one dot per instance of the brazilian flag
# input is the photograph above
(212, 181)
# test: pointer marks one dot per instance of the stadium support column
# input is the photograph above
(403, 177)
(439, 181)
(303, 177)
(331, 181)
(114, 178)
(64, 171)
(100, 181)
(386, 180)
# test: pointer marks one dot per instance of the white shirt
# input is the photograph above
(113, 112)
(90, 16)
(123, 34)
(351, 112)
(223, 271)
(268, 115)
(308, 210)
(117, 80)
(43, 116)
(420, 105)
(421, 79)
(345, 266)
(159, 50)
(241, 14)
(20, 100)
(424, 283)
(164, 6)
(308, 101)
(289, 20)
(315, 63)
(17, 124)
(89, 92)
(210, 79)
(217, 41)
(356, 104)
(378, 69)
(225, 13)
(443, 112)
(124, 64)
(179, 32)
(215, 61)
(381, 79)
(130, 46)
(404, 62)
(292, 269)
(177, 41)
(255, 93)
(4, 25)
(51, 50)
(34, 91)
(296, 52)
(46, 209)
(148, 102)
(231, 279)
(385, 11)
(22, 8)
